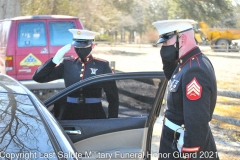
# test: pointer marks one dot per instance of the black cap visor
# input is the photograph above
(165, 37)
(169, 35)
(81, 44)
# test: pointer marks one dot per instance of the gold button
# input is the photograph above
(82, 64)
(82, 70)
(87, 59)
(179, 69)
(180, 60)
(81, 75)
(192, 58)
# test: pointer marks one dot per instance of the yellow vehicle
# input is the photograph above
(220, 39)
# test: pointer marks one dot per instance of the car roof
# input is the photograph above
(10, 85)
(42, 17)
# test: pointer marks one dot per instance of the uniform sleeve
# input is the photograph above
(197, 94)
(111, 90)
(48, 72)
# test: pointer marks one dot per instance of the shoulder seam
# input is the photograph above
(98, 59)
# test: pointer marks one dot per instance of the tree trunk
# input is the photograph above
(54, 9)
(9, 8)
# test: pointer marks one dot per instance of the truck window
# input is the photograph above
(31, 34)
(59, 34)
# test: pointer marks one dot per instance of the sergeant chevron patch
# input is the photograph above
(193, 90)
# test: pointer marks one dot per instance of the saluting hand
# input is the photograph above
(60, 53)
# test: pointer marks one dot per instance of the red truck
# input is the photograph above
(26, 42)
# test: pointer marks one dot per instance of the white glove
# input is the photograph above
(60, 53)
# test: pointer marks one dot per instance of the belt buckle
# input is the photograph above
(81, 99)
(164, 117)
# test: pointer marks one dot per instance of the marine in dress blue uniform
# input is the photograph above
(192, 93)
(84, 103)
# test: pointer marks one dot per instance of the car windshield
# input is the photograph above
(22, 133)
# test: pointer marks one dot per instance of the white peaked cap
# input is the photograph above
(166, 26)
(79, 34)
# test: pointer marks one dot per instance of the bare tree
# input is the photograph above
(21, 128)
(9, 8)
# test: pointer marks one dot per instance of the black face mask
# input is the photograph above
(83, 52)
(169, 53)
(169, 56)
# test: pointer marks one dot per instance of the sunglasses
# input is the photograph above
(166, 37)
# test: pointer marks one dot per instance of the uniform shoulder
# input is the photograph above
(100, 60)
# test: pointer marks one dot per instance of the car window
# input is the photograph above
(134, 97)
(31, 34)
(21, 129)
(59, 34)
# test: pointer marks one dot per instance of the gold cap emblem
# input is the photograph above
(78, 32)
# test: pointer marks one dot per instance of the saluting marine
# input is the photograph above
(192, 93)
(84, 103)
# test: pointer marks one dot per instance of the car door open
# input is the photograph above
(129, 135)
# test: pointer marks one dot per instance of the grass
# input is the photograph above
(232, 131)
(225, 106)
(229, 107)
(230, 85)
(228, 76)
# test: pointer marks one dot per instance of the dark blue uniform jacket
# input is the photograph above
(191, 100)
(74, 70)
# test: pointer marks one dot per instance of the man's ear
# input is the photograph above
(183, 40)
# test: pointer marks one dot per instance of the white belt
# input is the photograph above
(93, 100)
(87, 100)
(176, 128)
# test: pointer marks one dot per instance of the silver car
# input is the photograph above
(28, 129)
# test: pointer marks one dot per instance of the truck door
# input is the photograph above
(32, 48)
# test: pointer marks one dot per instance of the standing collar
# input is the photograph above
(192, 53)
(87, 59)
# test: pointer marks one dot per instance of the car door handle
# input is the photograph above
(78, 132)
